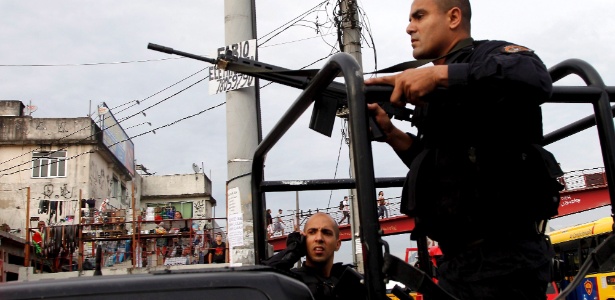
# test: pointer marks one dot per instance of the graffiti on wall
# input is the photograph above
(61, 205)
(66, 192)
(62, 126)
(48, 190)
(100, 183)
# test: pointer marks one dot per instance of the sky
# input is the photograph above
(96, 51)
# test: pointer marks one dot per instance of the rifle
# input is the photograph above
(325, 108)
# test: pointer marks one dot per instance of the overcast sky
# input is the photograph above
(71, 35)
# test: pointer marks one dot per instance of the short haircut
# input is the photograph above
(464, 5)
(336, 228)
(219, 234)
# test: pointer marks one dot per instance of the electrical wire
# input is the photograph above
(286, 25)
(293, 22)
(150, 96)
(116, 124)
(92, 64)
(130, 138)
(367, 27)
(106, 117)
(295, 41)
(339, 152)
(137, 102)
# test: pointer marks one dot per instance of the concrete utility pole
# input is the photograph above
(351, 40)
(243, 127)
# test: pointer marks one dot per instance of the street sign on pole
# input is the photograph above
(224, 80)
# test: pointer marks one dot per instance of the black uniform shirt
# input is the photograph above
(475, 159)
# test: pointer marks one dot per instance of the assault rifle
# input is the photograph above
(325, 108)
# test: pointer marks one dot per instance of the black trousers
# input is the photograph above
(499, 270)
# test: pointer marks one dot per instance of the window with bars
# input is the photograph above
(47, 164)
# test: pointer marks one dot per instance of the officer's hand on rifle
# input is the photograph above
(396, 138)
(413, 84)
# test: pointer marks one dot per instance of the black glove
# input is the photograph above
(285, 259)
(296, 242)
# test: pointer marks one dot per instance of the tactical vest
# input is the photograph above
(481, 163)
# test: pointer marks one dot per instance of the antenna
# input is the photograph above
(196, 168)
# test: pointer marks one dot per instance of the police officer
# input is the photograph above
(318, 242)
(479, 183)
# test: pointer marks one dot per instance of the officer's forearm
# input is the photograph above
(398, 140)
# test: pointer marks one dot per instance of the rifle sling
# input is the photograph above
(413, 278)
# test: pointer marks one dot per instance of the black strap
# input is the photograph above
(420, 62)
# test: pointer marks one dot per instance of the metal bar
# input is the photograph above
(325, 184)
(364, 169)
(363, 163)
(318, 84)
(571, 129)
(575, 94)
(602, 111)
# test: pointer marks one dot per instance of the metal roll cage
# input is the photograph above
(596, 93)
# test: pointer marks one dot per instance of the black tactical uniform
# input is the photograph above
(344, 282)
(479, 182)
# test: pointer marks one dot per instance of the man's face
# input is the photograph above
(428, 30)
(321, 242)
(218, 238)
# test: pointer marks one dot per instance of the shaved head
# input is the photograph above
(336, 228)
(322, 240)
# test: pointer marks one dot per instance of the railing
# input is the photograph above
(57, 256)
(584, 179)
(290, 220)
(573, 181)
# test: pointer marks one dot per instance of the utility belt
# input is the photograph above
(484, 177)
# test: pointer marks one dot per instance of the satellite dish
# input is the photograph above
(102, 110)
(30, 109)
(195, 167)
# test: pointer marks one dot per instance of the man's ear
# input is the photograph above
(338, 245)
(454, 17)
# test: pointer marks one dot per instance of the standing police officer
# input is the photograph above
(479, 182)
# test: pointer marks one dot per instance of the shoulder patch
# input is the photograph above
(515, 49)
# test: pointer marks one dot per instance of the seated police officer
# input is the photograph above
(318, 242)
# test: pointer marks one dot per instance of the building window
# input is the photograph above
(47, 164)
(115, 188)
(124, 195)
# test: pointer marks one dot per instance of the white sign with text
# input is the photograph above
(235, 218)
(224, 80)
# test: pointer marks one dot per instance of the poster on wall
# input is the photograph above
(235, 218)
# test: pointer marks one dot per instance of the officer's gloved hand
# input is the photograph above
(295, 249)
(295, 242)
